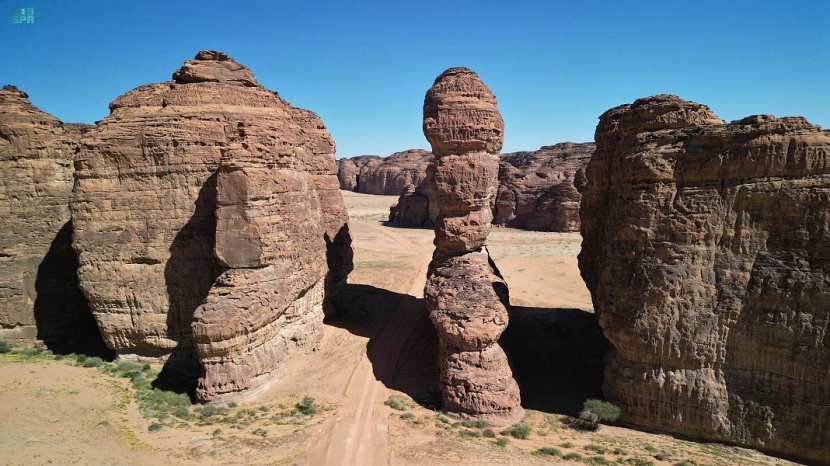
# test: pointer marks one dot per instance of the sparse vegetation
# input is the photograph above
(408, 416)
(93, 362)
(489, 433)
(567, 445)
(519, 431)
(465, 433)
(475, 424)
(154, 427)
(396, 403)
(4, 347)
(307, 406)
(639, 462)
(549, 451)
(596, 448)
(502, 442)
(572, 457)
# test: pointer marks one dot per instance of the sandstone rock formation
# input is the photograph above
(39, 295)
(208, 219)
(348, 170)
(707, 253)
(537, 190)
(541, 190)
(466, 297)
(369, 174)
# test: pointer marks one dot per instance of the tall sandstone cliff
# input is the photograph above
(706, 248)
(208, 222)
(466, 297)
(39, 295)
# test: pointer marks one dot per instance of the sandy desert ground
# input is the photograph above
(380, 352)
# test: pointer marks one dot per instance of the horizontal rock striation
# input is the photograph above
(539, 190)
(209, 222)
(39, 295)
(389, 176)
(706, 248)
(466, 297)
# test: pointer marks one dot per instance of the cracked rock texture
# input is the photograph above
(538, 190)
(370, 174)
(208, 222)
(39, 295)
(706, 248)
(466, 297)
(541, 190)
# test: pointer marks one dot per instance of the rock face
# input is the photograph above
(538, 190)
(707, 253)
(39, 295)
(209, 222)
(541, 190)
(389, 176)
(466, 297)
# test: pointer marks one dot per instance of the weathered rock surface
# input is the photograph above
(39, 295)
(389, 176)
(466, 297)
(707, 253)
(209, 221)
(541, 190)
(537, 190)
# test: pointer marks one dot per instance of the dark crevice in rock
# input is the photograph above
(62, 315)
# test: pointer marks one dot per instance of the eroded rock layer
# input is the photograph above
(538, 190)
(39, 295)
(707, 253)
(208, 220)
(370, 174)
(466, 297)
(541, 190)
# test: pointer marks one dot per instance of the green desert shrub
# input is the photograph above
(4, 347)
(465, 433)
(502, 442)
(639, 462)
(408, 416)
(154, 427)
(92, 362)
(572, 457)
(519, 431)
(567, 445)
(550, 451)
(475, 424)
(598, 461)
(395, 402)
(489, 433)
(307, 406)
(603, 410)
(596, 448)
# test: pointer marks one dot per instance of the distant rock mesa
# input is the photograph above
(466, 297)
(389, 176)
(537, 190)
(208, 223)
(706, 248)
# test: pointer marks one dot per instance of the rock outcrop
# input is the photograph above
(39, 295)
(388, 176)
(208, 222)
(707, 253)
(541, 190)
(348, 170)
(466, 297)
(538, 190)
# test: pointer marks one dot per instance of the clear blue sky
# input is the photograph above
(364, 66)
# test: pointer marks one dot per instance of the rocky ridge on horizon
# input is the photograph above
(538, 190)
(465, 295)
(208, 222)
(706, 249)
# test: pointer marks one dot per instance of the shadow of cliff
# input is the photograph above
(556, 356)
(189, 274)
(403, 344)
(405, 226)
(62, 316)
